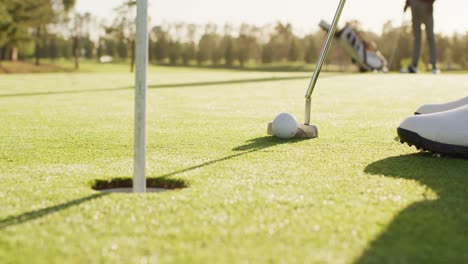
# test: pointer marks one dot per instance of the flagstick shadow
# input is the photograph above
(35, 214)
(252, 145)
(161, 86)
(429, 231)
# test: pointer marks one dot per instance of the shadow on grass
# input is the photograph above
(165, 181)
(252, 145)
(264, 142)
(32, 215)
(429, 231)
(96, 185)
(161, 181)
(162, 86)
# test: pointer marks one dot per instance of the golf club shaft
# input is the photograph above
(321, 59)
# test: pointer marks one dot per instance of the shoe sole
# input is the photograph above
(413, 139)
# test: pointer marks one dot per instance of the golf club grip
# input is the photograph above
(325, 48)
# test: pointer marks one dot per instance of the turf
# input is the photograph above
(353, 195)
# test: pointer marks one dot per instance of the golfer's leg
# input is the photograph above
(431, 38)
(417, 21)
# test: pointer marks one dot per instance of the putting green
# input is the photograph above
(352, 195)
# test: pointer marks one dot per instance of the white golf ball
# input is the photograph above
(284, 125)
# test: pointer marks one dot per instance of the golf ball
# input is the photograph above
(284, 125)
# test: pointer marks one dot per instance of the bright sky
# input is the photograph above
(450, 15)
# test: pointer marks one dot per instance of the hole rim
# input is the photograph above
(127, 182)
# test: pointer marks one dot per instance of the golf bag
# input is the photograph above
(364, 54)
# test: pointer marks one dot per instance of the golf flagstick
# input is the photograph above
(321, 60)
(141, 56)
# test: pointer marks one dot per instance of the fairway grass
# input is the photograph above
(353, 195)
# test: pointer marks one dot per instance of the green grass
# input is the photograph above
(353, 195)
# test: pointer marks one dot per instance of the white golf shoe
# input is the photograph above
(435, 108)
(441, 133)
(435, 71)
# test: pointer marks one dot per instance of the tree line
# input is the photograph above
(51, 29)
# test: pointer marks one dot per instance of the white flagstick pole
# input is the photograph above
(141, 57)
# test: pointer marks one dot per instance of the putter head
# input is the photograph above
(303, 131)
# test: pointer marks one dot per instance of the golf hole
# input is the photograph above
(124, 185)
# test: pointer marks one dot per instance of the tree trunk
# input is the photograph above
(150, 51)
(76, 52)
(99, 51)
(14, 53)
(37, 48)
(1, 54)
(132, 57)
